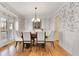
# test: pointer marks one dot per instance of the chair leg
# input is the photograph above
(45, 46)
(53, 44)
(30, 47)
(16, 44)
(23, 47)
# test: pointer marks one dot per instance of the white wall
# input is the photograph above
(69, 33)
(70, 42)
(28, 24)
(47, 25)
(21, 24)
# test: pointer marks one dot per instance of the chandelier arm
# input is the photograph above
(35, 13)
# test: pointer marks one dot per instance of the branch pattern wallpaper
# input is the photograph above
(69, 14)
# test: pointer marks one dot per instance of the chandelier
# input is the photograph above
(35, 19)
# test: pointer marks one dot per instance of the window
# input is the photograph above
(16, 26)
(11, 26)
(3, 30)
(3, 24)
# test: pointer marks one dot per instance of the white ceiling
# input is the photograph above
(44, 8)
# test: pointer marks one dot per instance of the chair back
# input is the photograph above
(26, 37)
(40, 37)
(51, 36)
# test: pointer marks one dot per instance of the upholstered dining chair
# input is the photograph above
(17, 38)
(26, 40)
(51, 37)
(41, 39)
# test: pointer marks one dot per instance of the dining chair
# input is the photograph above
(26, 40)
(41, 39)
(51, 37)
(17, 38)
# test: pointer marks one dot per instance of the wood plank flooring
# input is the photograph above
(49, 50)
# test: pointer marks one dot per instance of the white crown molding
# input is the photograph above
(12, 10)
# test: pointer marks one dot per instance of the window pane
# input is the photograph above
(3, 32)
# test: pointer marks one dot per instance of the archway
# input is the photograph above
(57, 30)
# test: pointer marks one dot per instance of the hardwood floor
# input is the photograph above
(47, 51)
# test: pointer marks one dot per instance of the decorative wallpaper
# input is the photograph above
(69, 14)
